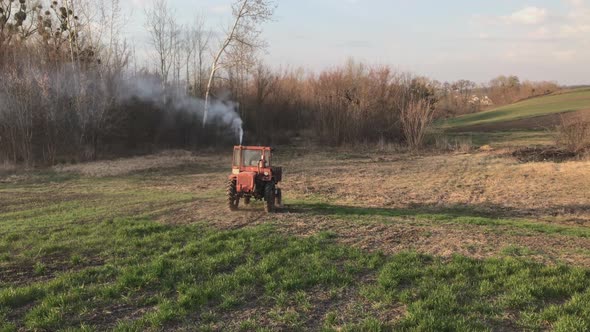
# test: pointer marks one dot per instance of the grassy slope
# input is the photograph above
(557, 103)
(503, 139)
(90, 256)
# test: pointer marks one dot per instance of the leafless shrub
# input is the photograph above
(461, 144)
(573, 135)
(415, 119)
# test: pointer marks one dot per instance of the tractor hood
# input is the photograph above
(246, 182)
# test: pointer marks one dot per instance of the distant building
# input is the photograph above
(483, 101)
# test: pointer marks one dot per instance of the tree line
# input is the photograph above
(73, 88)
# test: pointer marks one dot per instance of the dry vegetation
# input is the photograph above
(161, 161)
(574, 134)
(72, 89)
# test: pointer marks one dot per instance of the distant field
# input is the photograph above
(574, 100)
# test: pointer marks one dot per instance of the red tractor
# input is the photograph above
(253, 176)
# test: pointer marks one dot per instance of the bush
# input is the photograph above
(441, 142)
(415, 119)
(574, 135)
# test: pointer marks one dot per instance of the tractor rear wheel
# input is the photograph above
(279, 198)
(233, 200)
(269, 197)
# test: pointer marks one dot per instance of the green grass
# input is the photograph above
(469, 295)
(500, 139)
(173, 273)
(89, 256)
(556, 103)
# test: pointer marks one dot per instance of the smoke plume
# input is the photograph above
(221, 111)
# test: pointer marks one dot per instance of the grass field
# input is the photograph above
(504, 138)
(575, 100)
(367, 241)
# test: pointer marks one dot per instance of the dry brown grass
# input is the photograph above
(487, 180)
(124, 166)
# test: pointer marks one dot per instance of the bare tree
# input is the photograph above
(265, 83)
(97, 83)
(244, 32)
(196, 43)
(160, 22)
(240, 62)
(188, 49)
(178, 47)
(17, 115)
(17, 19)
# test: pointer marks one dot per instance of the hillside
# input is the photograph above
(568, 101)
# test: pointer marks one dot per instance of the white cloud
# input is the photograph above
(575, 2)
(565, 55)
(140, 3)
(527, 15)
(220, 9)
(578, 20)
(535, 37)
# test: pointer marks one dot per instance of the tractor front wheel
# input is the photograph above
(269, 197)
(233, 199)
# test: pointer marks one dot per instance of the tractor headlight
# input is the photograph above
(265, 173)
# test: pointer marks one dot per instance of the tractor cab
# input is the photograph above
(251, 158)
(253, 176)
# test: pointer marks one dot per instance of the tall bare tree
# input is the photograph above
(245, 31)
(196, 44)
(163, 30)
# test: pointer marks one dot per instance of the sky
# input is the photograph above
(444, 40)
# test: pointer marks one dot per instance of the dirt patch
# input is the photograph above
(13, 178)
(25, 273)
(107, 318)
(544, 154)
(159, 162)
(533, 123)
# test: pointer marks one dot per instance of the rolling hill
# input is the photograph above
(519, 113)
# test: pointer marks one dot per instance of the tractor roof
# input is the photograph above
(242, 147)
